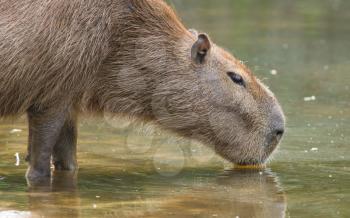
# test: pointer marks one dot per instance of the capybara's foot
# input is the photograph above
(65, 166)
(35, 175)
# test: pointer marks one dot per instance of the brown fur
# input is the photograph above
(131, 57)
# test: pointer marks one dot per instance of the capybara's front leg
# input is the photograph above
(30, 139)
(64, 152)
(45, 128)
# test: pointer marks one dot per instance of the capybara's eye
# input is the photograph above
(238, 79)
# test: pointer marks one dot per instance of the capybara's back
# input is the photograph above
(49, 50)
(128, 57)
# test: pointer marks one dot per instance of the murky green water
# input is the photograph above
(300, 49)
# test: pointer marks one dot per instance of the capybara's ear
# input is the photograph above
(200, 49)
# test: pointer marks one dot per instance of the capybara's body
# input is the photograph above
(51, 51)
(129, 57)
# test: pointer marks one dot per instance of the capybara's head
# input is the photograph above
(208, 95)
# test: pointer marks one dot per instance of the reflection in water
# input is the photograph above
(255, 193)
(234, 193)
(56, 198)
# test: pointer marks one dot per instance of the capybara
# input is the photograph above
(134, 58)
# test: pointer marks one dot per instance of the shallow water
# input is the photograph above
(300, 49)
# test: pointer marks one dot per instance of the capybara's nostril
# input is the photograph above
(277, 126)
(275, 136)
(279, 133)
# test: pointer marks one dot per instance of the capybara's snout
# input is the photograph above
(277, 126)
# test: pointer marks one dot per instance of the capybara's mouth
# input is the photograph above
(256, 158)
(258, 161)
(251, 163)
